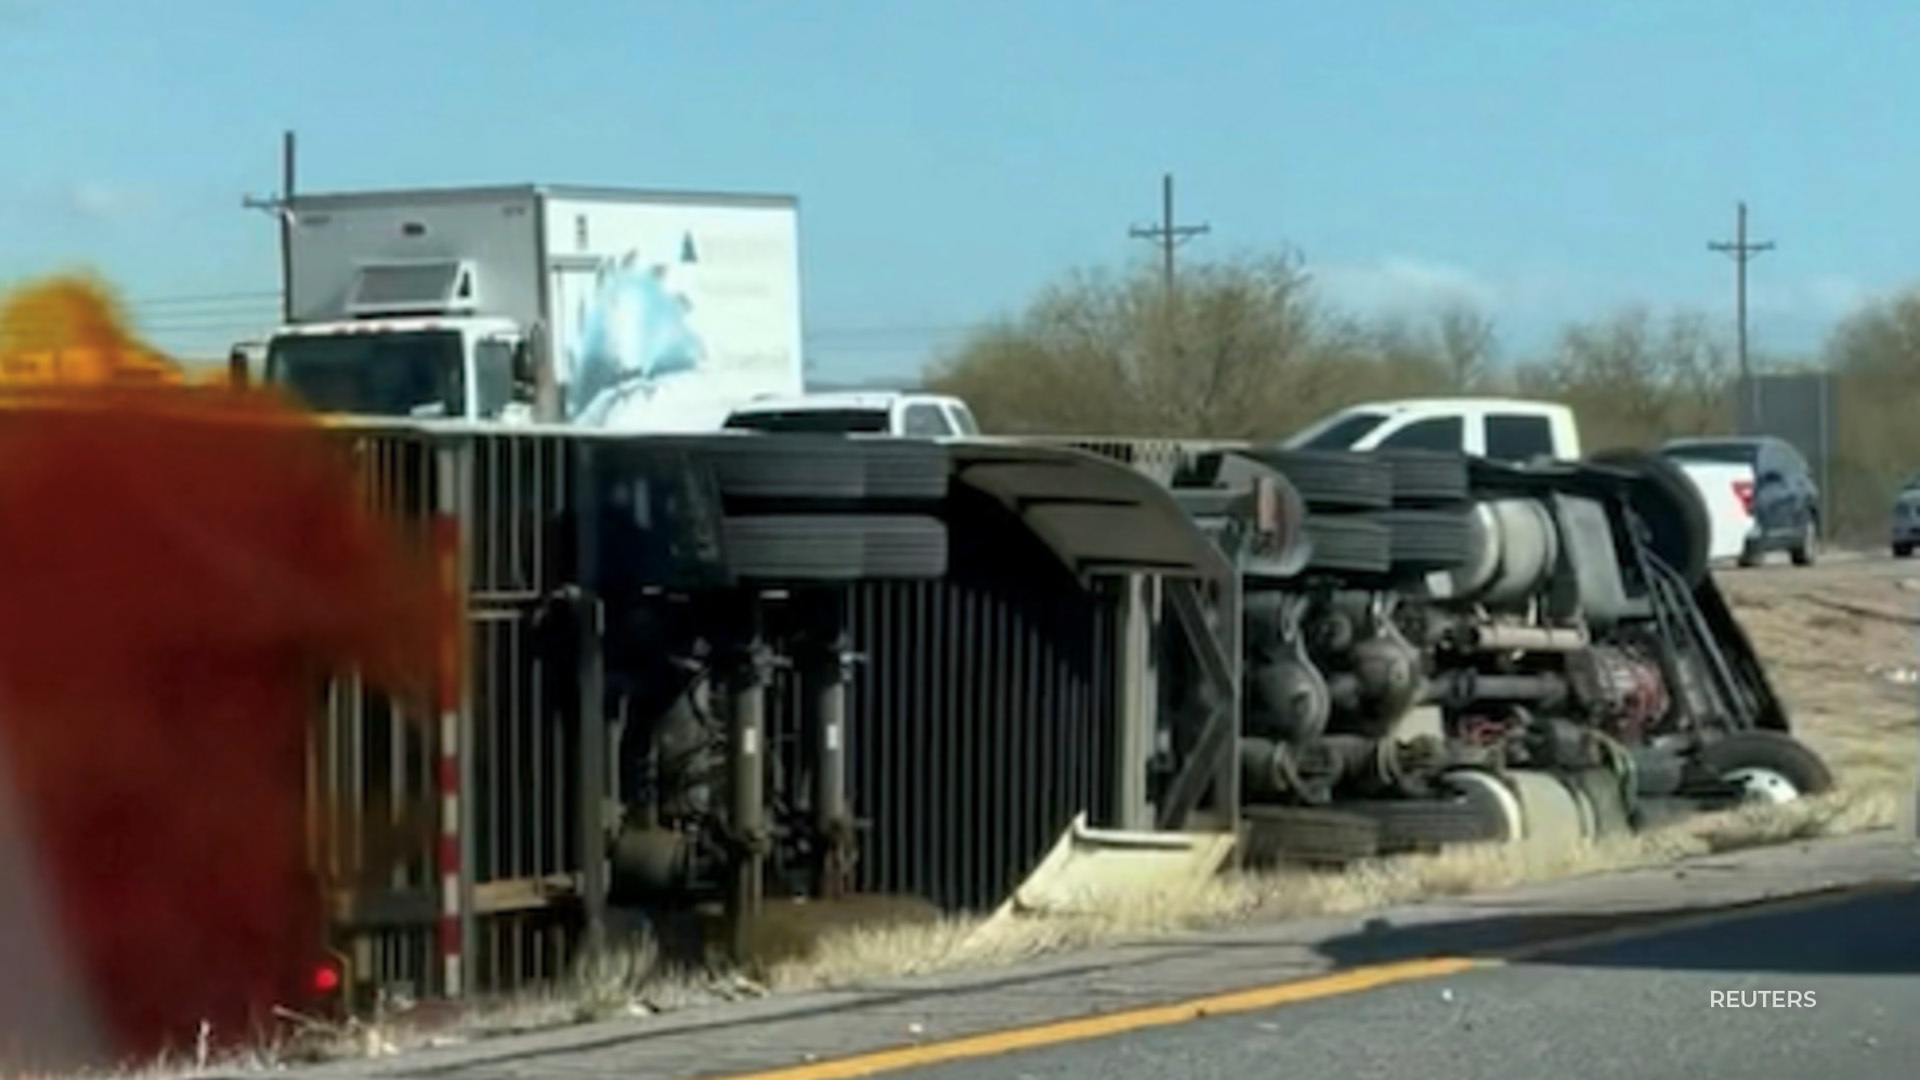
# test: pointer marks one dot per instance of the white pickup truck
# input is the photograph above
(1518, 429)
(1761, 491)
(1727, 490)
(1503, 429)
(905, 414)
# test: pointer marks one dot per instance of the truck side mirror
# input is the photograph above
(237, 371)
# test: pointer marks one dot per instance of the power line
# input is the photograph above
(195, 300)
(1168, 235)
(238, 309)
(232, 308)
(250, 310)
(1743, 251)
(196, 304)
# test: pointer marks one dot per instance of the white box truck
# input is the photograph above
(632, 310)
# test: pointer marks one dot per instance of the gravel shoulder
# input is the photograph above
(795, 1029)
(1839, 640)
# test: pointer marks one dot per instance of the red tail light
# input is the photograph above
(1743, 490)
(330, 986)
(326, 978)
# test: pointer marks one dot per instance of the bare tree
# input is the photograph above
(1882, 338)
(1469, 345)
(1454, 348)
(1243, 350)
(1874, 357)
(1636, 378)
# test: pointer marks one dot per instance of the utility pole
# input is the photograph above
(1167, 234)
(1743, 251)
(281, 207)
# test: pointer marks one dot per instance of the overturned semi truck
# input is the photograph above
(1558, 621)
(714, 672)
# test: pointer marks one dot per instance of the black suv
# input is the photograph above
(1784, 500)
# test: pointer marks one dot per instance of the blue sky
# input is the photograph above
(1546, 159)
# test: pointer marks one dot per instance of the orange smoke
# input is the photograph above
(181, 568)
(71, 331)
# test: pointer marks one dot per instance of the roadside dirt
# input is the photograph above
(1839, 641)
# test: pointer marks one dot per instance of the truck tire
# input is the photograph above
(780, 467)
(1429, 540)
(1348, 544)
(906, 471)
(1306, 834)
(1426, 477)
(1423, 826)
(1807, 547)
(1772, 763)
(828, 468)
(1333, 479)
(829, 547)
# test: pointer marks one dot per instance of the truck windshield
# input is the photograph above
(813, 421)
(1341, 434)
(410, 373)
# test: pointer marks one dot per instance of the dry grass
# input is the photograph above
(1848, 677)
(954, 944)
(629, 985)
(1839, 643)
(201, 1060)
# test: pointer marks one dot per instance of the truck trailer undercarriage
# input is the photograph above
(1559, 619)
(669, 596)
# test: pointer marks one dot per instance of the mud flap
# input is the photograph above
(1091, 872)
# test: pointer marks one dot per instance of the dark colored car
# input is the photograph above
(1784, 499)
(1906, 518)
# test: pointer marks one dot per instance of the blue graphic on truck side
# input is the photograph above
(632, 336)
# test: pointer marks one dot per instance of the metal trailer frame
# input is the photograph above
(454, 822)
(1144, 602)
(1122, 527)
(499, 893)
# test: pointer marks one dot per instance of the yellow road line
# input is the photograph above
(1117, 1023)
(1352, 980)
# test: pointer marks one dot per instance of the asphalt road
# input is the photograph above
(1833, 917)
(1639, 1009)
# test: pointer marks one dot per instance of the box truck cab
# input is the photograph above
(470, 368)
(631, 310)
